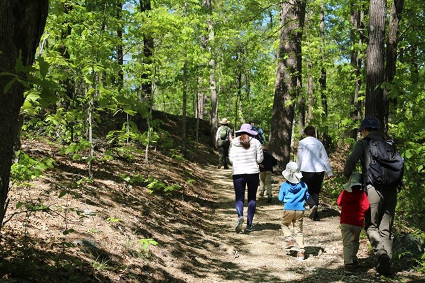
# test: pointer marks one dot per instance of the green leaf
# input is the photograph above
(19, 205)
(66, 232)
(62, 193)
(44, 66)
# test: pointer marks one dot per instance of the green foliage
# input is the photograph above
(176, 155)
(31, 207)
(77, 149)
(421, 263)
(158, 187)
(145, 243)
(27, 168)
(113, 220)
(101, 265)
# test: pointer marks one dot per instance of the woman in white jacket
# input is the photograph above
(245, 154)
(313, 162)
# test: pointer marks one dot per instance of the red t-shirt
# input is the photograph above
(353, 207)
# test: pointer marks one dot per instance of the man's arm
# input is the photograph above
(354, 157)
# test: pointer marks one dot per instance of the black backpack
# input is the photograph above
(259, 135)
(384, 165)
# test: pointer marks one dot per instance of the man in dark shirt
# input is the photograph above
(380, 217)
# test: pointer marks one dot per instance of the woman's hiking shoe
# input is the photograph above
(249, 228)
(351, 268)
(384, 265)
(239, 223)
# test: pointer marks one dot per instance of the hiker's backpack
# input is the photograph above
(224, 133)
(259, 135)
(384, 165)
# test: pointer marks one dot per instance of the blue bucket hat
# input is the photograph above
(370, 122)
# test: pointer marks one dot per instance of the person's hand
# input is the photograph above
(261, 165)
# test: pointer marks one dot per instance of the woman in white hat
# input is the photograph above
(245, 154)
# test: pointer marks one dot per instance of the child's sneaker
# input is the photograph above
(239, 223)
(300, 255)
(289, 243)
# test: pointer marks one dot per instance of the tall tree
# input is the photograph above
(120, 52)
(375, 62)
(213, 88)
(21, 26)
(357, 39)
(288, 78)
(148, 47)
(391, 54)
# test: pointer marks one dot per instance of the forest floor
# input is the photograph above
(127, 226)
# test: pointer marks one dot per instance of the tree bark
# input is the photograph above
(323, 75)
(288, 79)
(391, 55)
(120, 53)
(21, 26)
(375, 62)
(148, 47)
(356, 18)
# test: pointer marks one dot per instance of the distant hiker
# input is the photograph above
(223, 137)
(354, 204)
(245, 155)
(260, 136)
(266, 171)
(293, 193)
(382, 199)
(313, 162)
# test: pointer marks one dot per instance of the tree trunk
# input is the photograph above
(213, 88)
(148, 47)
(356, 18)
(375, 62)
(22, 24)
(391, 55)
(323, 76)
(147, 77)
(120, 53)
(184, 118)
(288, 79)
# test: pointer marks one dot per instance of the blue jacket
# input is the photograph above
(293, 196)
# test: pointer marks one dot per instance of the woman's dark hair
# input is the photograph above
(245, 140)
(310, 131)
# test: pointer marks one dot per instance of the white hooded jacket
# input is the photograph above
(312, 156)
(245, 161)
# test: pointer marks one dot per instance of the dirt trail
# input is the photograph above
(260, 257)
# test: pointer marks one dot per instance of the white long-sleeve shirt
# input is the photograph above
(245, 161)
(312, 156)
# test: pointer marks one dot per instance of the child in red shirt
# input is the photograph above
(354, 204)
